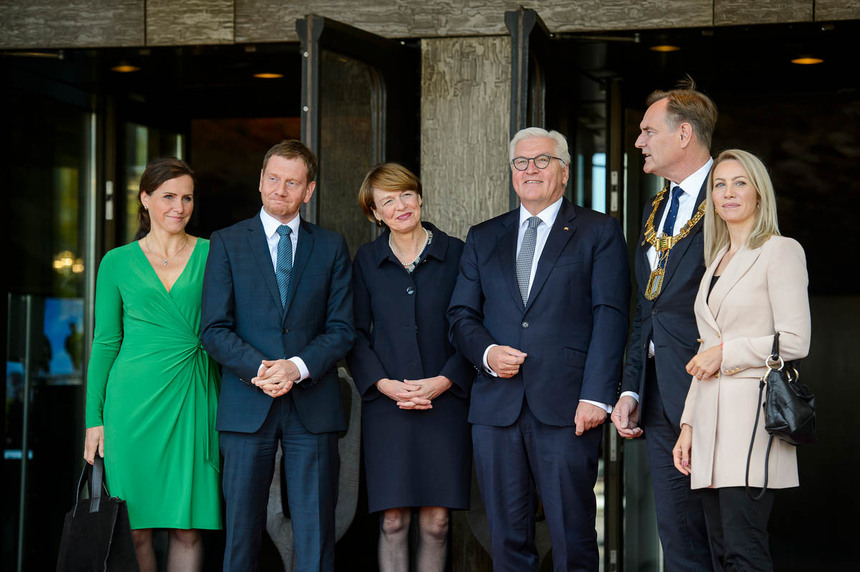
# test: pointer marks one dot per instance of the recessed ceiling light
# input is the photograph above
(269, 75)
(664, 48)
(125, 68)
(807, 61)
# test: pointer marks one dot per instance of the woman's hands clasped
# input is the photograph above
(416, 394)
(706, 364)
(94, 441)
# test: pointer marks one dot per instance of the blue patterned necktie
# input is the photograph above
(526, 256)
(669, 224)
(284, 266)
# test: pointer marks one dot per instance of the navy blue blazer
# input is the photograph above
(573, 328)
(243, 322)
(669, 320)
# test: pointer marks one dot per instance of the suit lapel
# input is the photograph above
(259, 247)
(702, 302)
(559, 235)
(303, 254)
(506, 251)
(734, 271)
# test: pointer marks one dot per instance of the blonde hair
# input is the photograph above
(715, 229)
(386, 177)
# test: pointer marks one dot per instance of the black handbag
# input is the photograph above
(96, 533)
(789, 409)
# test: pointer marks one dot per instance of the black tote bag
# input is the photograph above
(96, 533)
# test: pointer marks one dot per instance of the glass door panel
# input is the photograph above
(349, 117)
(51, 188)
(360, 107)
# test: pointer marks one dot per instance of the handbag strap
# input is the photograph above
(96, 483)
(752, 439)
(94, 476)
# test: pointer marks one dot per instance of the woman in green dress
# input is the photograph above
(152, 391)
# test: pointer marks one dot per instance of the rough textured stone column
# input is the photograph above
(465, 107)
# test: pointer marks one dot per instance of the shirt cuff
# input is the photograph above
(303, 369)
(632, 394)
(487, 368)
(607, 408)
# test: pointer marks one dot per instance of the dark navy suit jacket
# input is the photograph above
(668, 320)
(243, 322)
(573, 328)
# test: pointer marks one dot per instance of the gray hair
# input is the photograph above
(561, 150)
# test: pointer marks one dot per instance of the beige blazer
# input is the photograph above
(761, 291)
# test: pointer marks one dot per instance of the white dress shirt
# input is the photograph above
(547, 217)
(270, 229)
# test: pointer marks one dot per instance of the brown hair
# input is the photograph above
(158, 171)
(294, 149)
(686, 105)
(386, 177)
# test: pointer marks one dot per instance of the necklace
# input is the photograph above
(663, 244)
(163, 260)
(410, 266)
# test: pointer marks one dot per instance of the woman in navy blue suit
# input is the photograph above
(414, 386)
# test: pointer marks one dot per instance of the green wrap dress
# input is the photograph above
(155, 390)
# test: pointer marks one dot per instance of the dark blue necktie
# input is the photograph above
(284, 266)
(669, 224)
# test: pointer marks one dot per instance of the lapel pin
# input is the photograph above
(565, 228)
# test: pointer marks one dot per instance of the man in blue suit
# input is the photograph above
(541, 309)
(675, 140)
(277, 316)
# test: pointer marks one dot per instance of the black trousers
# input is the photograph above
(737, 528)
(680, 516)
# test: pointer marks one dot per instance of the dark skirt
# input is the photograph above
(417, 458)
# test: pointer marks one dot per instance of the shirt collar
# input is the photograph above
(547, 215)
(692, 184)
(271, 224)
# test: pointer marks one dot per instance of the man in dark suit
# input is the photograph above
(277, 316)
(675, 139)
(541, 309)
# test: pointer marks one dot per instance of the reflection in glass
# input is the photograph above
(51, 178)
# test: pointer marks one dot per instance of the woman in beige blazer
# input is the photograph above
(754, 286)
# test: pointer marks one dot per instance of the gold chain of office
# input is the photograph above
(663, 244)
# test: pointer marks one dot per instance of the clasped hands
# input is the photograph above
(414, 394)
(276, 377)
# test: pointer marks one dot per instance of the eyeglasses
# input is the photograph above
(541, 162)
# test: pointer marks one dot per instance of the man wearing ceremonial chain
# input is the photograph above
(675, 140)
